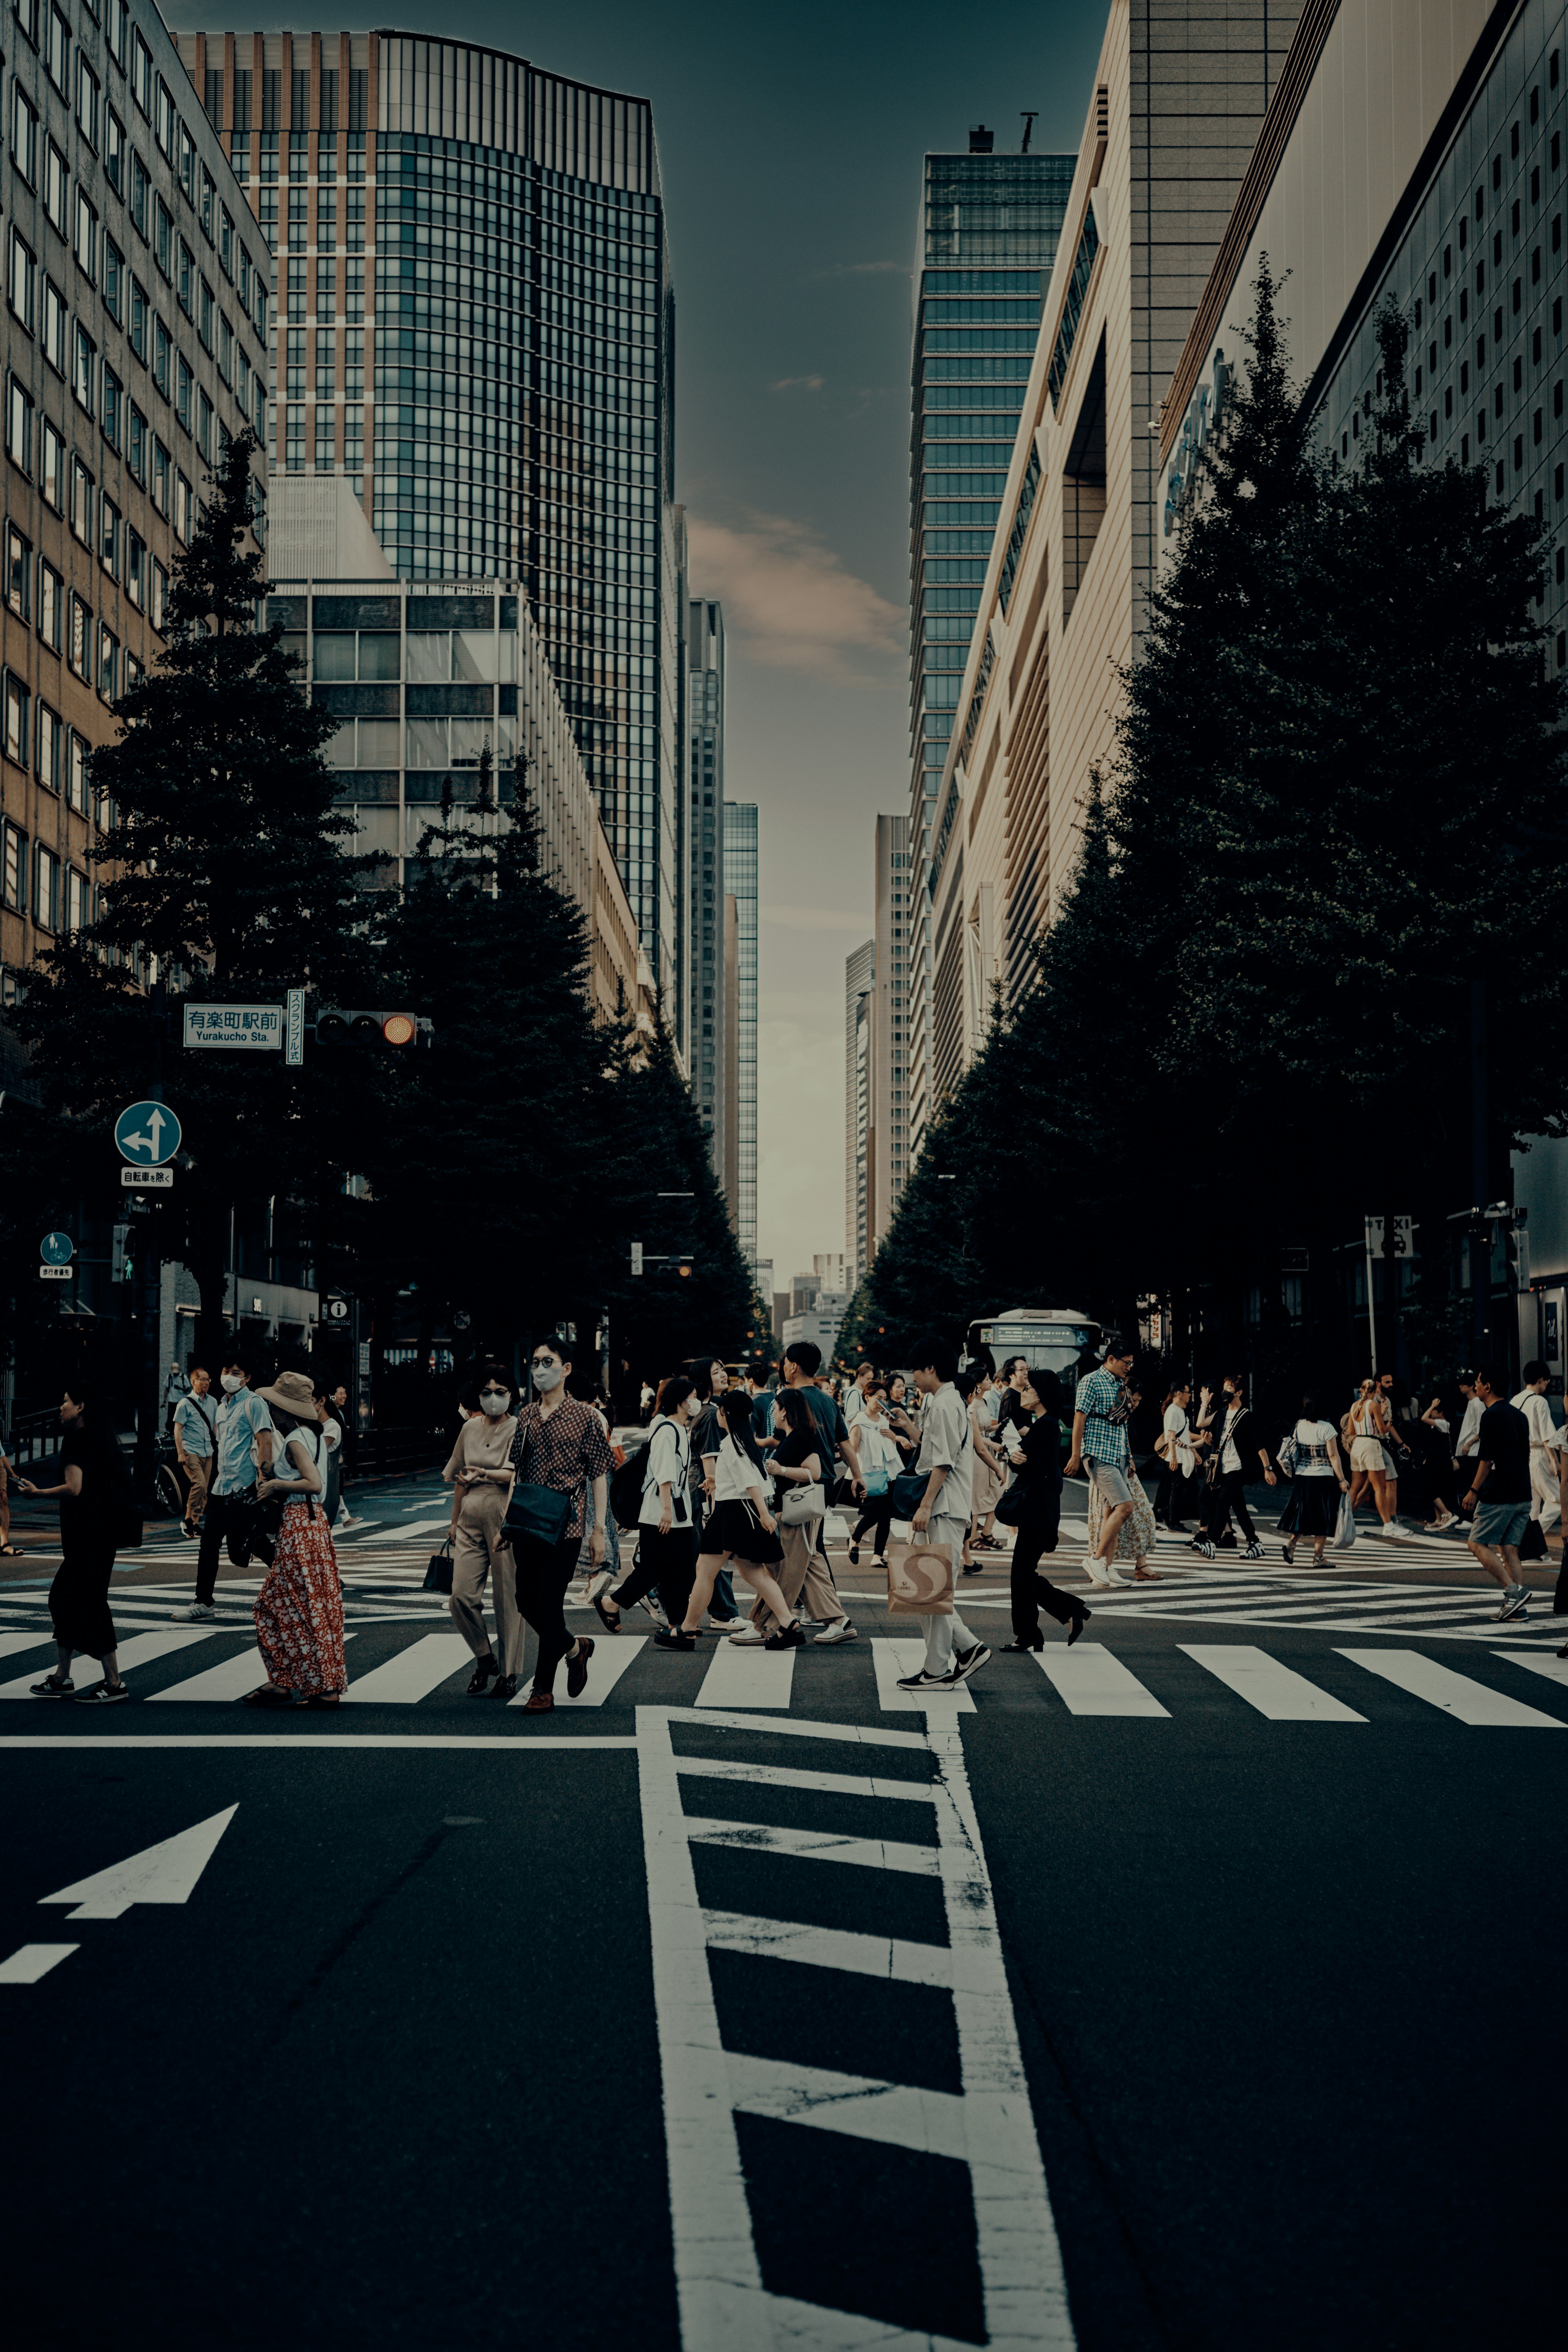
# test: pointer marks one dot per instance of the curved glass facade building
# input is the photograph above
(474, 326)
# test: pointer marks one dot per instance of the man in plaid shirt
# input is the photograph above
(1100, 1414)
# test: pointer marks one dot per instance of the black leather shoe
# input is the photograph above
(1037, 1644)
(483, 1670)
(505, 1688)
(1076, 1628)
(577, 1668)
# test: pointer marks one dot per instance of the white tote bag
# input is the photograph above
(1344, 1532)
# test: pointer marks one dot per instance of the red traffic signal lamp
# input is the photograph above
(373, 1026)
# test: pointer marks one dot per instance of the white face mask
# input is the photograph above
(496, 1402)
(232, 1381)
(547, 1377)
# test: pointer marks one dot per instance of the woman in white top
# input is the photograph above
(880, 1462)
(1318, 1479)
(741, 1528)
(990, 1471)
(1366, 1424)
(1180, 1458)
(667, 1531)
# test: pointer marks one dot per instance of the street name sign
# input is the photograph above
(294, 1054)
(254, 1028)
(147, 1134)
(57, 1274)
(142, 1179)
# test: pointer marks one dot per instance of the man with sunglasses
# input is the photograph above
(561, 1444)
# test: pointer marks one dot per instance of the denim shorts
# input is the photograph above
(1110, 1482)
(1502, 1523)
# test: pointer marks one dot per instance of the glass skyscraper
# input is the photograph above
(741, 884)
(987, 238)
(475, 325)
(704, 838)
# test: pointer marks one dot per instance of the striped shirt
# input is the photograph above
(1103, 1400)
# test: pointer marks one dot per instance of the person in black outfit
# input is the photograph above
(95, 1496)
(1236, 1439)
(1039, 1502)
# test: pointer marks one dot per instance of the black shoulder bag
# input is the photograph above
(541, 1512)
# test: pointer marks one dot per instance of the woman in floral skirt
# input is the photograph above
(299, 1608)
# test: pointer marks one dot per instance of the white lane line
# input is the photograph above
(227, 1681)
(413, 1673)
(283, 1742)
(933, 2123)
(893, 1658)
(1538, 1662)
(31, 1961)
(1455, 1694)
(1093, 1681)
(892, 1958)
(780, 1776)
(1274, 1690)
(854, 1735)
(816, 1845)
(606, 1667)
(740, 1678)
(140, 1651)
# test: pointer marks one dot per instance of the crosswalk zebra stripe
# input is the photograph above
(893, 1959)
(141, 1651)
(761, 1678)
(1093, 1681)
(1275, 1690)
(892, 1659)
(1456, 1694)
(1554, 1669)
(230, 1679)
(413, 1673)
(933, 2123)
(817, 1846)
(606, 1667)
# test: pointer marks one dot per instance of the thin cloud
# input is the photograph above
(792, 604)
(798, 383)
(812, 918)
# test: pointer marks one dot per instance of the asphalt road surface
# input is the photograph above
(1182, 1989)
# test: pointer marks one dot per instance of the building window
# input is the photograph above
(18, 427)
(141, 190)
(18, 584)
(136, 569)
(113, 281)
(20, 280)
(80, 641)
(84, 355)
(57, 51)
(56, 320)
(81, 502)
(52, 471)
(17, 712)
(225, 241)
(162, 477)
(46, 891)
(183, 382)
(139, 316)
(165, 118)
(76, 773)
(57, 182)
(114, 150)
(187, 147)
(51, 606)
(142, 73)
(112, 399)
(87, 101)
(204, 313)
(184, 510)
(204, 425)
(48, 748)
(162, 238)
(108, 663)
(185, 280)
(160, 593)
(108, 538)
(162, 356)
(13, 866)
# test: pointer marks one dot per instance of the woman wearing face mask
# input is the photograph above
(666, 1533)
(741, 1529)
(481, 1473)
(1037, 1502)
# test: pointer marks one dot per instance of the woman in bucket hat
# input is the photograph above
(299, 1608)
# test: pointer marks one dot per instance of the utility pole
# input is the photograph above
(1480, 1232)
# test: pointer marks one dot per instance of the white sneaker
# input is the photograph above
(1391, 1528)
(746, 1637)
(840, 1630)
(196, 1613)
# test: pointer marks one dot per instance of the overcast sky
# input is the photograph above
(790, 141)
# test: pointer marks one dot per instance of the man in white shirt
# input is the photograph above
(1532, 1401)
(1469, 1438)
(941, 1519)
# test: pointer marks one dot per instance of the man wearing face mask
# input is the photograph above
(246, 1441)
(560, 1444)
(482, 1474)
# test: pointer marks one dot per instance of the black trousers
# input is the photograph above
(543, 1571)
(230, 1516)
(79, 1596)
(1031, 1592)
(878, 1514)
(668, 1562)
(1227, 1493)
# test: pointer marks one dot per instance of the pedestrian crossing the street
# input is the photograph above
(215, 1667)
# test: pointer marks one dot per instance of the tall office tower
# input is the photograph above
(741, 883)
(478, 334)
(987, 238)
(134, 337)
(700, 865)
(890, 1108)
(859, 1138)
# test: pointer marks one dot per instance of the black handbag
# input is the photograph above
(1013, 1506)
(908, 1491)
(438, 1575)
(541, 1512)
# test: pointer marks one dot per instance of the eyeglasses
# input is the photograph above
(536, 1362)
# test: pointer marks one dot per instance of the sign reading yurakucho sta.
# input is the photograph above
(257, 1028)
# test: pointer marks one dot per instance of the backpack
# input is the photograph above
(627, 1485)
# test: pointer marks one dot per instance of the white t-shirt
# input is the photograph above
(1538, 1413)
(737, 1477)
(946, 1444)
(1470, 1427)
(669, 1460)
(1313, 1432)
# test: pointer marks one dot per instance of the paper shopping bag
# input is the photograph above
(920, 1582)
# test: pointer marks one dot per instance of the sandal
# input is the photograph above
(610, 1619)
(323, 1698)
(267, 1696)
(12, 1551)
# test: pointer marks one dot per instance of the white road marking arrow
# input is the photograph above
(159, 1873)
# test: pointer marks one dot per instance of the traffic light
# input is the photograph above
(121, 1265)
(380, 1026)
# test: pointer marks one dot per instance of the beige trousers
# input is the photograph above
(197, 1468)
(801, 1572)
(475, 1557)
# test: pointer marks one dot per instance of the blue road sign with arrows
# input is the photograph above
(57, 1249)
(148, 1134)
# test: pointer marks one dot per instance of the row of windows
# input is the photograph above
(57, 751)
(71, 489)
(61, 898)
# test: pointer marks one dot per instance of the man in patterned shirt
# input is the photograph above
(1100, 1414)
(561, 1445)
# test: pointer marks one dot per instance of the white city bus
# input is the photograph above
(1053, 1339)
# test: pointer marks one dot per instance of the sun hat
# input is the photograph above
(293, 1392)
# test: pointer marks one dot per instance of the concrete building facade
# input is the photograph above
(860, 1142)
